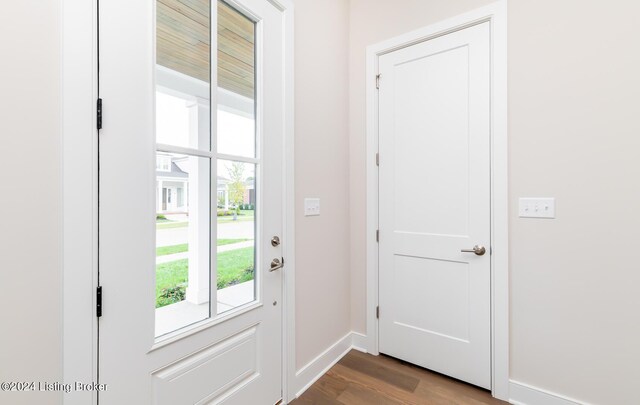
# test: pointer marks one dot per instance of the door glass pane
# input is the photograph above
(236, 234)
(183, 73)
(182, 240)
(236, 83)
(182, 120)
(183, 180)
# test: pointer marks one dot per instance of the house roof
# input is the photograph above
(175, 172)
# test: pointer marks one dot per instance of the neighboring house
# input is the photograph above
(172, 186)
(250, 192)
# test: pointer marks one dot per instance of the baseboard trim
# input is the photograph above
(524, 394)
(359, 342)
(316, 368)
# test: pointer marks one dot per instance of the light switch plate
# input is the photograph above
(537, 208)
(311, 207)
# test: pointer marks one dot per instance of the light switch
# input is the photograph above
(537, 208)
(311, 207)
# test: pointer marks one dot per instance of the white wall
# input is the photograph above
(574, 135)
(30, 207)
(574, 105)
(322, 155)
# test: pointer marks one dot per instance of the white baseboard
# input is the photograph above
(524, 394)
(316, 368)
(359, 342)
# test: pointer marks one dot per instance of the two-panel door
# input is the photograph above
(434, 204)
(190, 194)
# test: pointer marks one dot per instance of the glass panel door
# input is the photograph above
(191, 196)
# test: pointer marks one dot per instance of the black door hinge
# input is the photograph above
(377, 312)
(99, 114)
(99, 301)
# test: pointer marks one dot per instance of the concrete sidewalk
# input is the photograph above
(226, 230)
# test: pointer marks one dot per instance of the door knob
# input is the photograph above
(477, 249)
(276, 264)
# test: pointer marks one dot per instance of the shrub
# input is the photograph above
(171, 295)
(161, 216)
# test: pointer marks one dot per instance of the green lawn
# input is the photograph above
(171, 224)
(222, 242)
(244, 215)
(170, 250)
(235, 266)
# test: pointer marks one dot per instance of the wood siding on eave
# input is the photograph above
(183, 43)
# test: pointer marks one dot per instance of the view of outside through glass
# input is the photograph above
(190, 258)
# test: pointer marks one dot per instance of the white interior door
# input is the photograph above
(434, 203)
(193, 104)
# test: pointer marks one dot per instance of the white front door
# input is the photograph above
(193, 99)
(434, 134)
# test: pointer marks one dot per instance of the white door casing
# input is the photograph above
(234, 358)
(434, 201)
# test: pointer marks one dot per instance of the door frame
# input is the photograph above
(496, 14)
(78, 95)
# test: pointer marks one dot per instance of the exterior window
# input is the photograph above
(163, 163)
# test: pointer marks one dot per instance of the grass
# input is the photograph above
(171, 224)
(244, 215)
(170, 250)
(173, 249)
(168, 276)
(234, 267)
(222, 242)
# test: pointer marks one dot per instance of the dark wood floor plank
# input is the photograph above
(368, 365)
(331, 386)
(435, 381)
(357, 395)
(384, 389)
(314, 396)
(360, 378)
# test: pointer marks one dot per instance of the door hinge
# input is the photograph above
(378, 76)
(377, 312)
(99, 114)
(99, 301)
(377, 159)
(377, 235)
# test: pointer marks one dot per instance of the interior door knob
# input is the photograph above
(477, 249)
